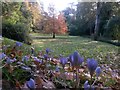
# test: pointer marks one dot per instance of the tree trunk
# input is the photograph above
(97, 22)
(53, 34)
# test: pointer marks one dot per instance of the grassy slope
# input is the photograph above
(10, 43)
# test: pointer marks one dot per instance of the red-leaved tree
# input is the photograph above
(53, 23)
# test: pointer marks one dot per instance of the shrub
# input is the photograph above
(17, 32)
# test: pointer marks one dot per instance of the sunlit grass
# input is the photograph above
(104, 53)
(68, 44)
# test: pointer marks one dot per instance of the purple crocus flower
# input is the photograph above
(31, 83)
(86, 85)
(57, 69)
(63, 61)
(45, 56)
(19, 63)
(70, 58)
(13, 60)
(2, 55)
(26, 68)
(18, 44)
(92, 65)
(75, 59)
(8, 61)
(38, 60)
(48, 50)
(25, 58)
(98, 71)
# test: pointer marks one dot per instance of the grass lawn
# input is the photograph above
(65, 45)
(106, 54)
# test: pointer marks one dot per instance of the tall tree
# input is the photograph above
(85, 17)
(35, 10)
(51, 10)
(97, 21)
(70, 17)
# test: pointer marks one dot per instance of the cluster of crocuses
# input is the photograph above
(9, 59)
(76, 60)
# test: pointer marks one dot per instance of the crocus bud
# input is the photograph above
(63, 61)
(86, 85)
(98, 71)
(92, 65)
(2, 55)
(48, 50)
(31, 83)
(75, 59)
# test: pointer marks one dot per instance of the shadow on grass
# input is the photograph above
(39, 37)
(50, 37)
(104, 40)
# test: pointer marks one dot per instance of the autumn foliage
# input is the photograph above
(56, 25)
(62, 23)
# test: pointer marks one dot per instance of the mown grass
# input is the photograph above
(66, 45)
(103, 52)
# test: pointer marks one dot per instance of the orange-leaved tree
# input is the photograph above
(55, 24)
(62, 24)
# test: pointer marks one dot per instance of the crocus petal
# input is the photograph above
(31, 83)
(48, 50)
(76, 60)
(25, 58)
(86, 86)
(8, 61)
(92, 65)
(80, 60)
(26, 68)
(92, 88)
(57, 69)
(38, 60)
(98, 71)
(45, 56)
(70, 58)
(18, 44)
(2, 55)
(63, 61)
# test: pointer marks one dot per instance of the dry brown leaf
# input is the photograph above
(39, 81)
(17, 84)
